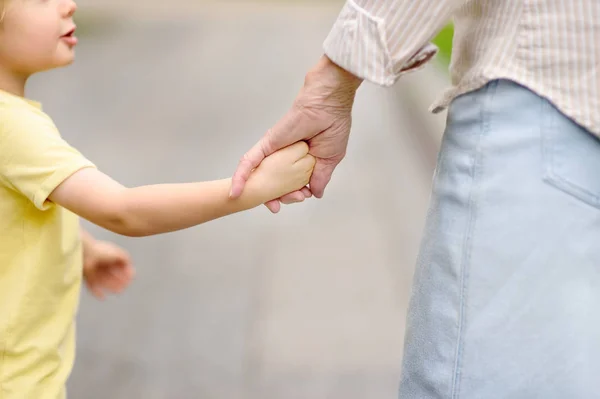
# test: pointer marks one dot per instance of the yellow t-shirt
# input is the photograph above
(40, 254)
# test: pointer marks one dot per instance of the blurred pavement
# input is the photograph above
(309, 303)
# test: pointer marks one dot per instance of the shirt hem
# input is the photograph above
(473, 84)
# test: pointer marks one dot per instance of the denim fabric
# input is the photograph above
(506, 295)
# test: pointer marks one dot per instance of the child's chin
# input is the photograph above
(59, 61)
(64, 56)
(54, 65)
(65, 61)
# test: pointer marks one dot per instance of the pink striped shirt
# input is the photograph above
(550, 46)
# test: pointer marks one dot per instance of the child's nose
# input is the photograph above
(68, 8)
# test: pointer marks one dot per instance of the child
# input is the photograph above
(45, 185)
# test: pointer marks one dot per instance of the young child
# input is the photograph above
(45, 185)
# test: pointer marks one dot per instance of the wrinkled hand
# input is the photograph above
(106, 268)
(321, 115)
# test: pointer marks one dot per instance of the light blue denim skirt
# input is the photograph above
(506, 295)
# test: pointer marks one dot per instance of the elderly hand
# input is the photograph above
(321, 115)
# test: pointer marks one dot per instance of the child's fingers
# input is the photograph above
(298, 149)
(115, 286)
(129, 271)
(120, 278)
(123, 272)
(110, 281)
(95, 289)
(120, 255)
(97, 292)
(306, 162)
(117, 281)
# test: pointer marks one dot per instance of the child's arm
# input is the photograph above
(162, 208)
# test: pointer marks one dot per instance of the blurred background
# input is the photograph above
(309, 303)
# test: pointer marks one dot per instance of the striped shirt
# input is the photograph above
(550, 46)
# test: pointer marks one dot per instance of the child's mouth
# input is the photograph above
(70, 38)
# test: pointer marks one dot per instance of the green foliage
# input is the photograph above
(444, 41)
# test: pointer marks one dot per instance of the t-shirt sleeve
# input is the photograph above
(34, 159)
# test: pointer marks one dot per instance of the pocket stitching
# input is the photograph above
(571, 188)
(550, 176)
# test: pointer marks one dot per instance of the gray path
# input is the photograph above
(309, 303)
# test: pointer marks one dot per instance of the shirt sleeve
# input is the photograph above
(379, 40)
(34, 159)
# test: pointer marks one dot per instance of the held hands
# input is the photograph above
(106, 268)
(320, 115)
(282, 172)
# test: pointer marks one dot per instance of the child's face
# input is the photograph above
(35, 35)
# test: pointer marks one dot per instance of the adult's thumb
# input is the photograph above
(247, 164)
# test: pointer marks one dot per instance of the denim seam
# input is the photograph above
(546, 153)
(467, 244)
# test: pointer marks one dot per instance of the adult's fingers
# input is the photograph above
(292, 198)
(295, 126)
(247, 164)
(321, 176)
(274, 206)
(297, 196)
(306, 191)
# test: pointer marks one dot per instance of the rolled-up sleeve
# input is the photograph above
(380, 40)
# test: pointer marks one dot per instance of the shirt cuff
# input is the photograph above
(357, 43)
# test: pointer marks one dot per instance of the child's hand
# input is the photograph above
(282, 172)
(106, 267)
